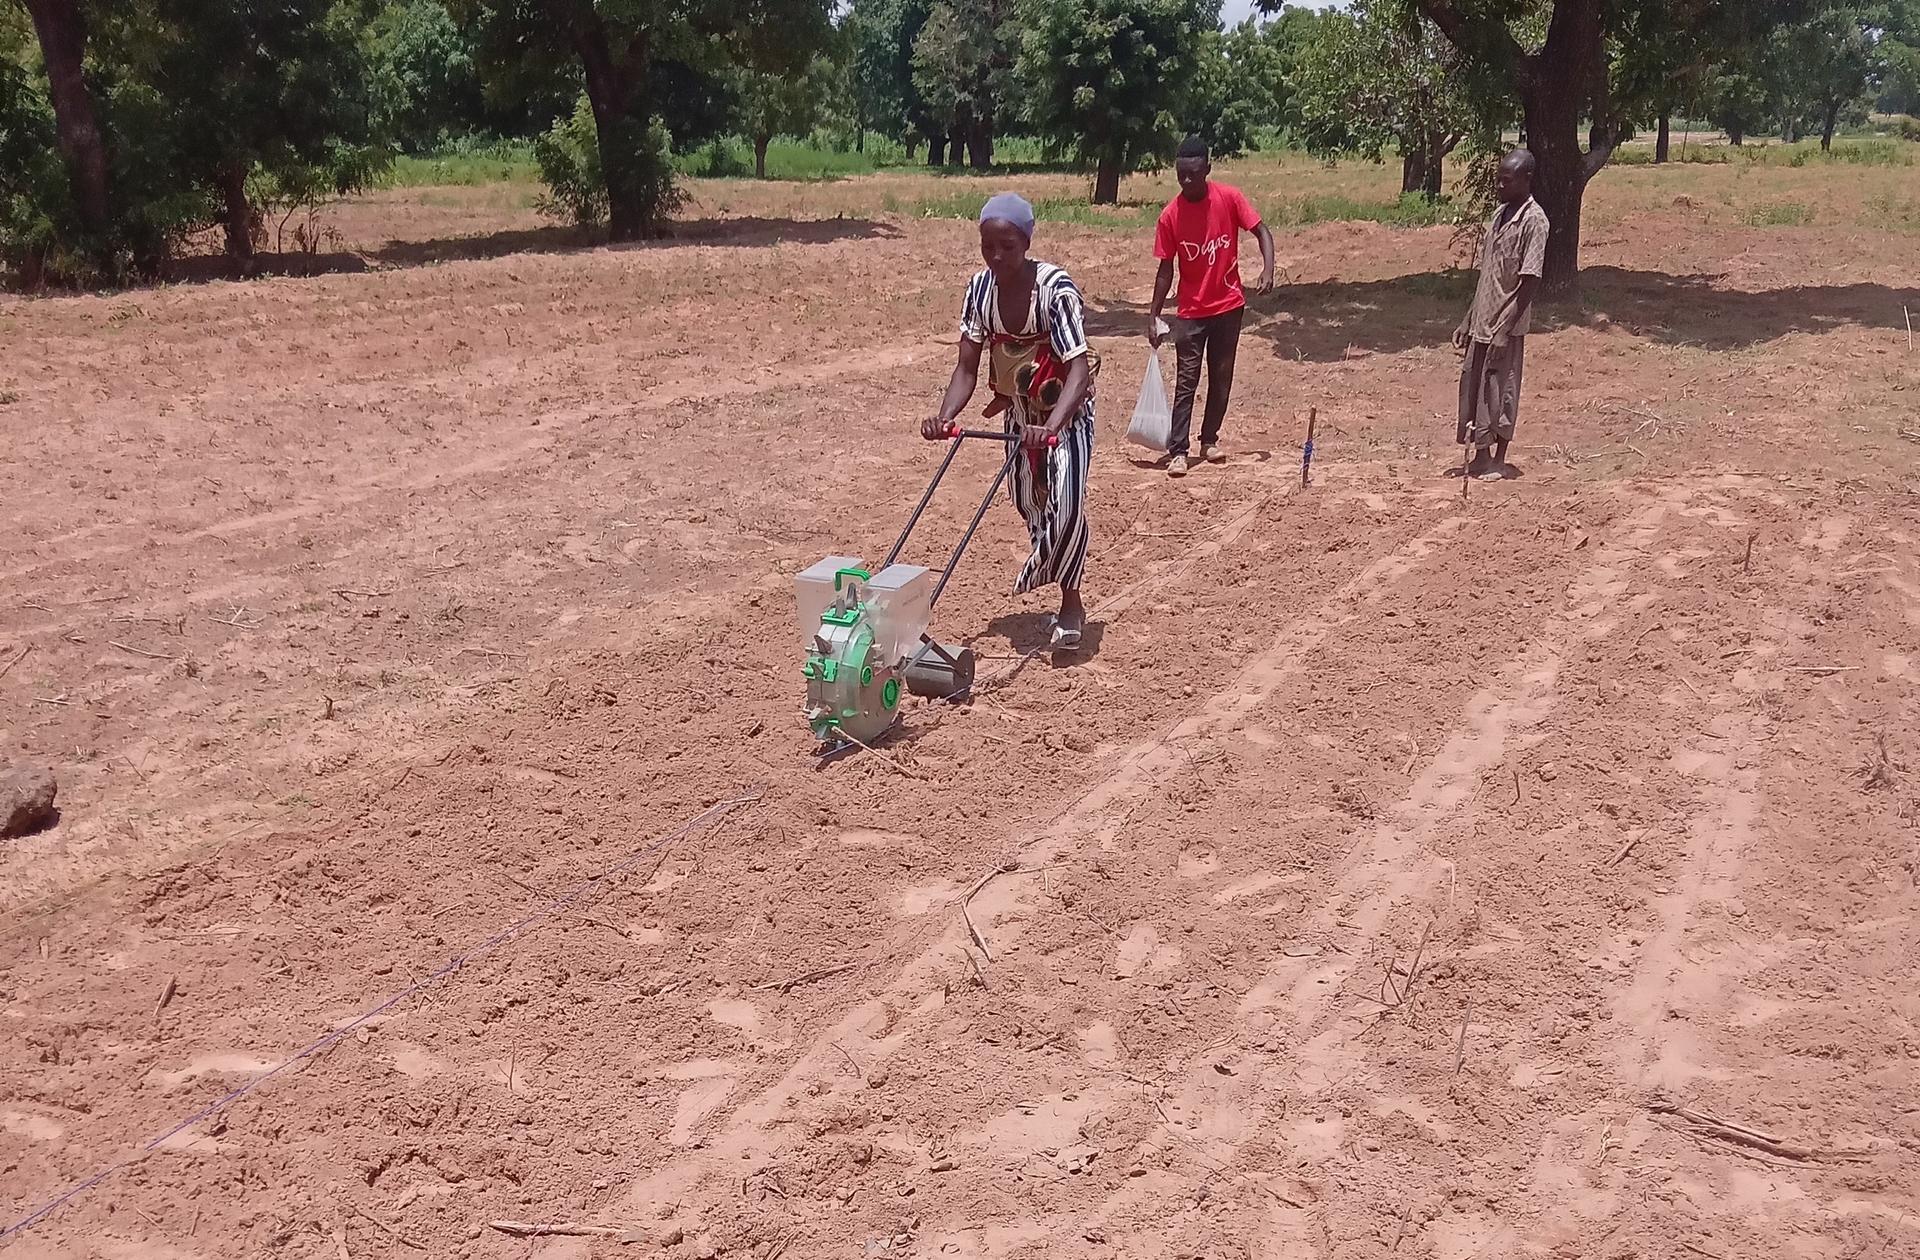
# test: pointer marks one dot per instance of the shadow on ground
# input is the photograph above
(741, 233)
(1031, 633)
(1334, 320)
(749, 233)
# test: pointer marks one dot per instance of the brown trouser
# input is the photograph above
(1490, 391)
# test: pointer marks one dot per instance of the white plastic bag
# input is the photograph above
(1152, 425)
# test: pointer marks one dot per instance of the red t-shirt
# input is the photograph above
(1204, 236)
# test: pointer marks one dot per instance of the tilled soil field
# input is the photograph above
(1394, 873)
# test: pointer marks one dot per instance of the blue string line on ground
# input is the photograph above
(473, 954)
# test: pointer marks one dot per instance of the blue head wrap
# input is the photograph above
(1010, 208)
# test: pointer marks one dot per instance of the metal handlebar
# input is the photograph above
(958, 435)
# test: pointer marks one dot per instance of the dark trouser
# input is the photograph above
(1218, 340)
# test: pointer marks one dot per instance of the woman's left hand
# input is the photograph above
(1038, 437)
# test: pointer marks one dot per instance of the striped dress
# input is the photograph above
(1050, 492)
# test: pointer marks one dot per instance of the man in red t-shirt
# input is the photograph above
(1200, 229)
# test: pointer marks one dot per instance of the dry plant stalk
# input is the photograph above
(1460, 1047)
(1701, 1124)
(806, 977)
(1005, 869)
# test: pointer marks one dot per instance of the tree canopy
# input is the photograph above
(127, 126)
(963, 60)
(1105, 78)
(1380, 77)
(620, 48)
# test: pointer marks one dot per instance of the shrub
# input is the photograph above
(570, 165)
(34, 205)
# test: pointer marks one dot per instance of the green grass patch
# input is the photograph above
(1127, 216)
(1878, 152)
(790, 161)
(1693, 155)
(823, 158)
(1864, 151)
(502, 162)
(1777, 214)
(1412, 211)
(1898, 214)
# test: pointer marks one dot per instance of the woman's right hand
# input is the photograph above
(935, 428)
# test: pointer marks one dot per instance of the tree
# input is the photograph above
(1382, 76)
(1657, 65)
(1107, 77)
(1288, 34)
(963, 62)
(617, 46)
(1825, 65)
(282, 89)
(34, 182)
(1242, 84)
(883, 34)
(166, 112)
(1900, 57)
(878, 87)
(1567, 76)
(780, 104)
(61, 27)
(425, 80)
(1736, 100)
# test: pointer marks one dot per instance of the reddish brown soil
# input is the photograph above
(366, 612)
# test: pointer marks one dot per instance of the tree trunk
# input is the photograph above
(1663, 143)
(1736, 135)
(760, 156)
(63, 43)
(1559, 84)
(619, 166)
(1106, 180)
(1437, 150)
(1826, 131)
(936, 150)
(956, 145)
(1560, 182)
(612, 89)
(980, 145)
(238, 216)
(1413, 169)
